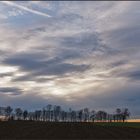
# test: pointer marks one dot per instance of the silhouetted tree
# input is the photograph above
(92, 115)
(125, 114)
(8, 111)
(49, 108)
(86, 114)
(44, 112)
(73, 116)
(56, 113)
(25, 114)
(118, 114)
(19, 113)
(80, 114)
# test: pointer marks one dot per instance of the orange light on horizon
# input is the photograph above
(133, 120)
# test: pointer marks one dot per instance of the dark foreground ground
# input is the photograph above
(46, 130)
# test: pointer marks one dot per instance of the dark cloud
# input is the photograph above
(11, 90)
(125, 37)
(58, 69)
(26, 77)
(6, 74)
(134, 75)
(89, 43)
(130, 74)
(36, 65)
(119, 63)
(61, 69)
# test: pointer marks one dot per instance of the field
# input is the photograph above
(119, 124)
(56, 130)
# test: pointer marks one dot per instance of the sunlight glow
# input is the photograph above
(6, 69)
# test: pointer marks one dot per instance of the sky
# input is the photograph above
(70, 53)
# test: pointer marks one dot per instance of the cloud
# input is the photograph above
(10, 90)
(6, 74)
(35, 64)
(132, 74)
(77, 58)
(25, 8)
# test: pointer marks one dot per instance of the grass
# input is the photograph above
(120, 124)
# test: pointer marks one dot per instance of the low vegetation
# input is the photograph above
(120, 124)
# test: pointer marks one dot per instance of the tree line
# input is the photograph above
(54, 113)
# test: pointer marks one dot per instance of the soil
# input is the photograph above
(64, 130)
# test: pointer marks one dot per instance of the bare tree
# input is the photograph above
(118, 114)
(92, 115)
(86, 114)
(101, 116)
(56, 113)
(8, 111)
(49, 108)
(25, 114)
(37, 115)
(18, 112)
(125, 114)
(80, 115)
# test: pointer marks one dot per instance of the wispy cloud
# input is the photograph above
(26, 8)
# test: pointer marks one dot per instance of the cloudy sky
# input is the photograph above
(74, 54)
